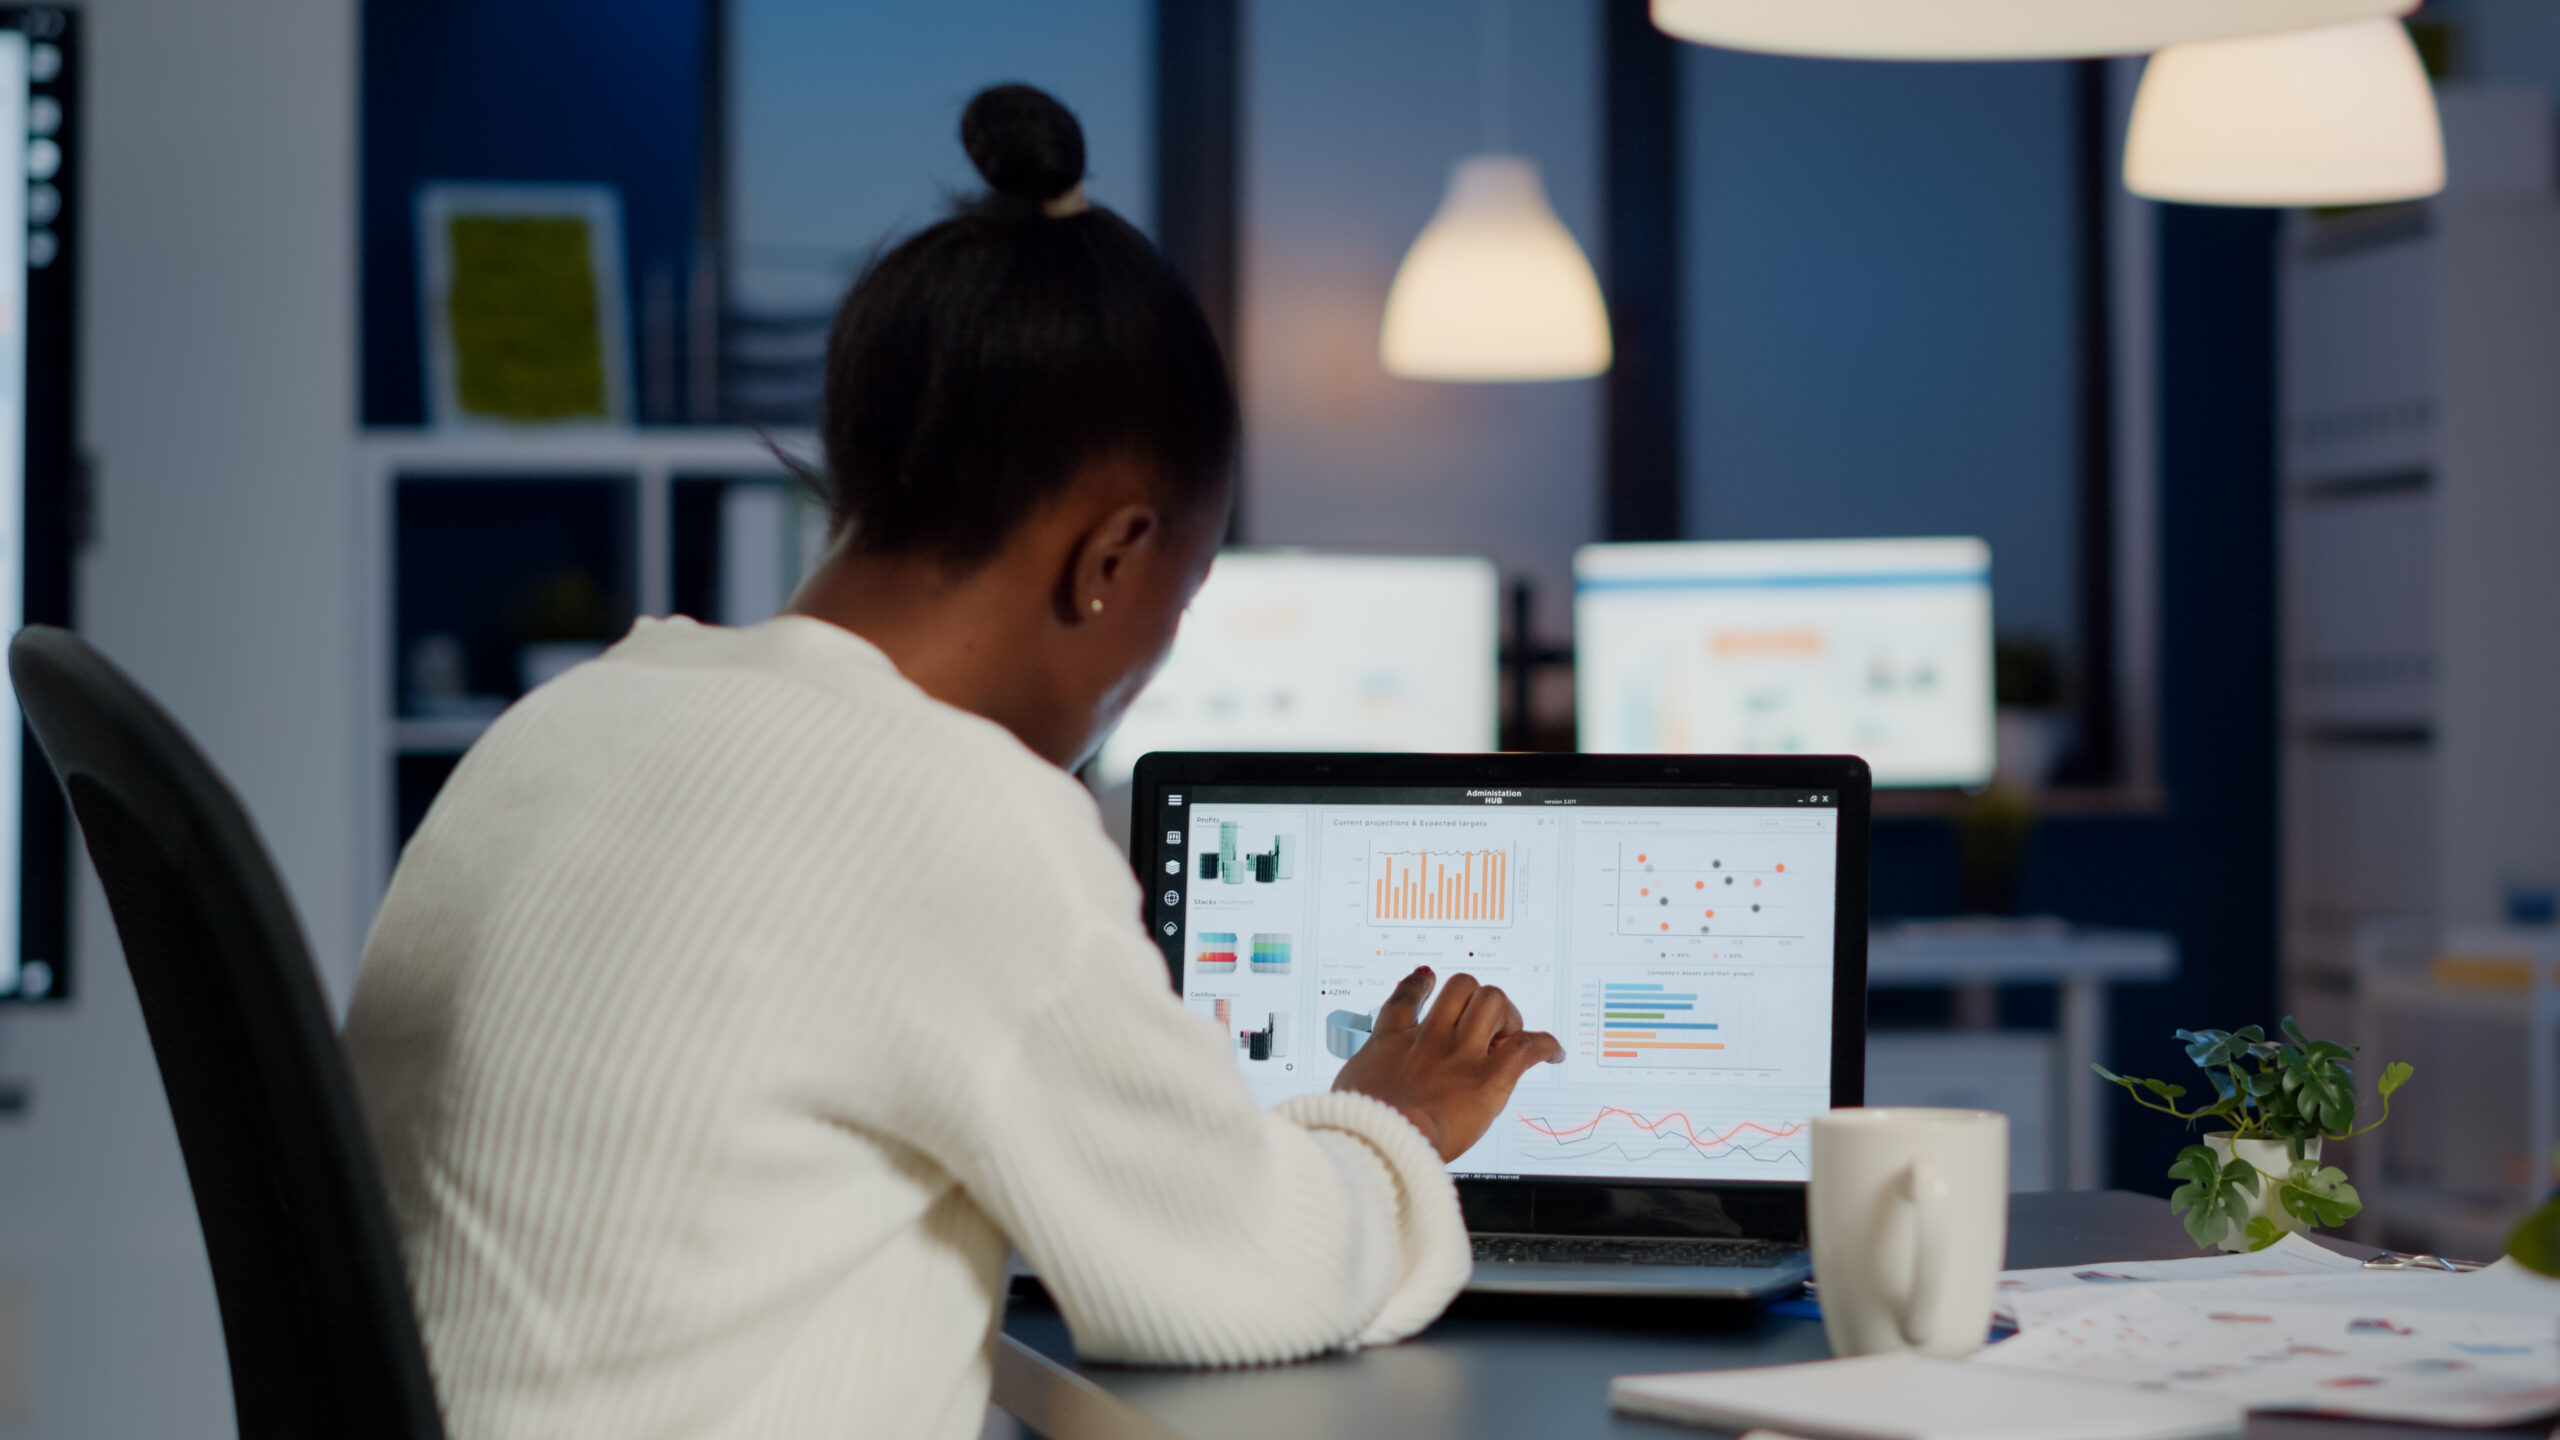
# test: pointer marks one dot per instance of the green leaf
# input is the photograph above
(2263, 1232)
(2208, 1048)
(2394, 1075)
(2164, 1089)
(2536, 1242)
(2197, 1163)
(2319, 1195)
(2108, 1075)
(2293, 1032)
(2214, 1199)
(2207, 1223)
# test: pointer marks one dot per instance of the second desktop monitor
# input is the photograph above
(1874, 648)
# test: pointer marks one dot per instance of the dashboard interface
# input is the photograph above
(1876, 648)
(1678, 942)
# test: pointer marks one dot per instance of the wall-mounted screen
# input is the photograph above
(1285, 650)
(1874, 648)
(38, 214)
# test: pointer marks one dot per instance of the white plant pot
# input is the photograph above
(2273, 1160)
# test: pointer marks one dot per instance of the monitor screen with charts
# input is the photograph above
(40, 218)
(1684, 941)
(1286, 650)
(1874, 648)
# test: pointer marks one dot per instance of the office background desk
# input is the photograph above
(1536, 1373)
(1978, 955)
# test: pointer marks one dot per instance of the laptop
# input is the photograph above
(1692, 928)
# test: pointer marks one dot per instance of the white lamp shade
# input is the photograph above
(1494, 288)
(1991, 29)
(2337, 116)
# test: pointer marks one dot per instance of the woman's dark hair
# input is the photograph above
(976, 366)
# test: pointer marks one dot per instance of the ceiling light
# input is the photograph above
(2337, 116)
(1495, 287)
(1992, 29)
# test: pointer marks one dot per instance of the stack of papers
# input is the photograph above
(2154, 1349)
(2065, 1286)
(2294, 1328)
(1911, 1397)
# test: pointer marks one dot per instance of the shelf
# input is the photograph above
(2468, 1224)
(489, 541)
(2479, 1002)
(509, 452)
(437, 737)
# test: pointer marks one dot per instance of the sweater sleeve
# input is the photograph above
(1175, 1220)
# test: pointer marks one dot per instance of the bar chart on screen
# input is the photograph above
(1437, 887)
(1654, 1025)
(1667, 1022)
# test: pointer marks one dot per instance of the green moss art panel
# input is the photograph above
(527, 342)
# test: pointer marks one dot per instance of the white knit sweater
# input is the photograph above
(738, 1004)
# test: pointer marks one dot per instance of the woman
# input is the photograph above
(747, 993)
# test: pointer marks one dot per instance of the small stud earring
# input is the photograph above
(1097, 607)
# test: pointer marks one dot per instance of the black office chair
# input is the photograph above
(315, 1313)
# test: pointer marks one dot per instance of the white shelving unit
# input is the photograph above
(2420, 520)
(650, 463)
(2477, 1010)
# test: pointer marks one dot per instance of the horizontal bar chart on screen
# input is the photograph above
(1666, 1020)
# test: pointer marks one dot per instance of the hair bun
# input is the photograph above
(1024, 142)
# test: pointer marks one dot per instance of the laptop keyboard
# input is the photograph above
(1613, 1250)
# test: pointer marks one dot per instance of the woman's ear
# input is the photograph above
(1102, 568)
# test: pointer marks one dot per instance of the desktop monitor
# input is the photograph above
(1874, 648)
(39, 215)
(1297, 650)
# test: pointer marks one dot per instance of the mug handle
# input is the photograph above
(1931, 1200)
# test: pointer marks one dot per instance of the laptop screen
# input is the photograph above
(1678, 941)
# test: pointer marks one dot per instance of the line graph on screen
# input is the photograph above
(1615, 1133)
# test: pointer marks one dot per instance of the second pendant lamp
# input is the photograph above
(1990, 29)
(1494, 288)
(2341, 115)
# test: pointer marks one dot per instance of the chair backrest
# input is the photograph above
(315, 1312)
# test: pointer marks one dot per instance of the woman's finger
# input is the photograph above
(1516, 1053)
(1490, 1014)
(1452, 1004)
(1403, 1009)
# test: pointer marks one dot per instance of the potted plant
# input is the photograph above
(2536, 1243)
(2248, 1185)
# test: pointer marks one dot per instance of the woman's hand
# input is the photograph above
(1450, 1071)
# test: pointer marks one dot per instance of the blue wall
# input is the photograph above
(844, 121)
(572, 91)
(1354, 113)
(1879, 287)
(2206, 869)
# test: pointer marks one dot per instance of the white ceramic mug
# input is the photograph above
(1910, 1217)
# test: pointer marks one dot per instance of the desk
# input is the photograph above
(2036, 952)
(1489, 1376)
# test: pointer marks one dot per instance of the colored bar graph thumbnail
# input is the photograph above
(1654, 1024)
(1217, 953)
(1271, 954)
(1441, 886)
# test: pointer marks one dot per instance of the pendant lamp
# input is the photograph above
(1495, 287)
(1992, 29)
(2341, 115)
